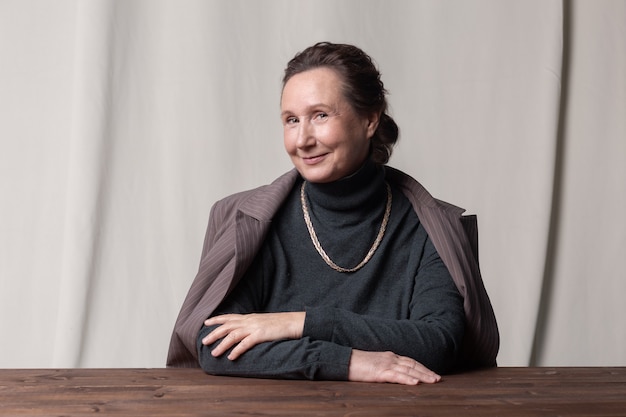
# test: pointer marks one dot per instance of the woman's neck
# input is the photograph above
(360, 191)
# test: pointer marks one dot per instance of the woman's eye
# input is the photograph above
(291, 120)
(321, 116)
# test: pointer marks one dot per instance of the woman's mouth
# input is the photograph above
(312, 160)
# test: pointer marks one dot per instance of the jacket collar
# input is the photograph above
(254, 217)
(263, 205)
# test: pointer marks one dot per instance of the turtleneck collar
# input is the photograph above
(361, 190)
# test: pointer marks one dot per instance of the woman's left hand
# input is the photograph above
(248, 330)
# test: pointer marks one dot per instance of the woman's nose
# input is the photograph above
(305, 134)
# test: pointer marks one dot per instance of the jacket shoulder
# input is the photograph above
(418, 194)
(455, 237)
(260, 202)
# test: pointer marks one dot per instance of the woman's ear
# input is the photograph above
(372, 124)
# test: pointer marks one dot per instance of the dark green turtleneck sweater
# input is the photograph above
(403, 300)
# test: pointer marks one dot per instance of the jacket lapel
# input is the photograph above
(253, 221)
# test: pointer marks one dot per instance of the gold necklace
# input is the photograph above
(318, 246)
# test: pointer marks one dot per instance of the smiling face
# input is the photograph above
(325, 138)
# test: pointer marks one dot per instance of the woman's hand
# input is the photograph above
(388, 367)
(248, 330)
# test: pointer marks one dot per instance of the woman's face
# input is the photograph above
(325, 138)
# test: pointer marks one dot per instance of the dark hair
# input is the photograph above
(362, 87)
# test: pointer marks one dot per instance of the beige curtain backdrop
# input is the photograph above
(122, 122)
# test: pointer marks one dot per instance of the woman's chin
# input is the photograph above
(314, 172)
(315, 176)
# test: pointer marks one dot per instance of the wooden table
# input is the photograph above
(182, 392)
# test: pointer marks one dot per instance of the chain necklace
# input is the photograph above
(318, 246)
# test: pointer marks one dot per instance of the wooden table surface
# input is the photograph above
(597, 392)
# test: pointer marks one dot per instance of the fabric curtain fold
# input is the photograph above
(89, 153)
(122, 122)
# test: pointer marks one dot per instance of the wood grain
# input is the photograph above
(598, 391)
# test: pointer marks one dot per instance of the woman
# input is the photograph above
(343, 268)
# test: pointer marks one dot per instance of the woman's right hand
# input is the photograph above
(244, 331)
(388, 367)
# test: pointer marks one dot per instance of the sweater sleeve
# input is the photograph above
(431, 334)
(289, 359)
(304, 358)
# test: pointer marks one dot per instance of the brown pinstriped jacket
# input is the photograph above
(237, 228)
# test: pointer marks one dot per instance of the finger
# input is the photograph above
(399, 376)
(211, 321)
(406, 379)
(229, 341)
(423, 374)
(426, 378)
(415, 370)
(216, 334)
(425, 371)
(243, 346)
(415, 365)
(409, 377)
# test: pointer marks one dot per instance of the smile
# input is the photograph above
(312, 160)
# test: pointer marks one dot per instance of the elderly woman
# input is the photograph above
(342, 268)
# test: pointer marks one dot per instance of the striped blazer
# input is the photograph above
(237, 228)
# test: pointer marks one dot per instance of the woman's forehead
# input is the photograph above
(319, 86)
